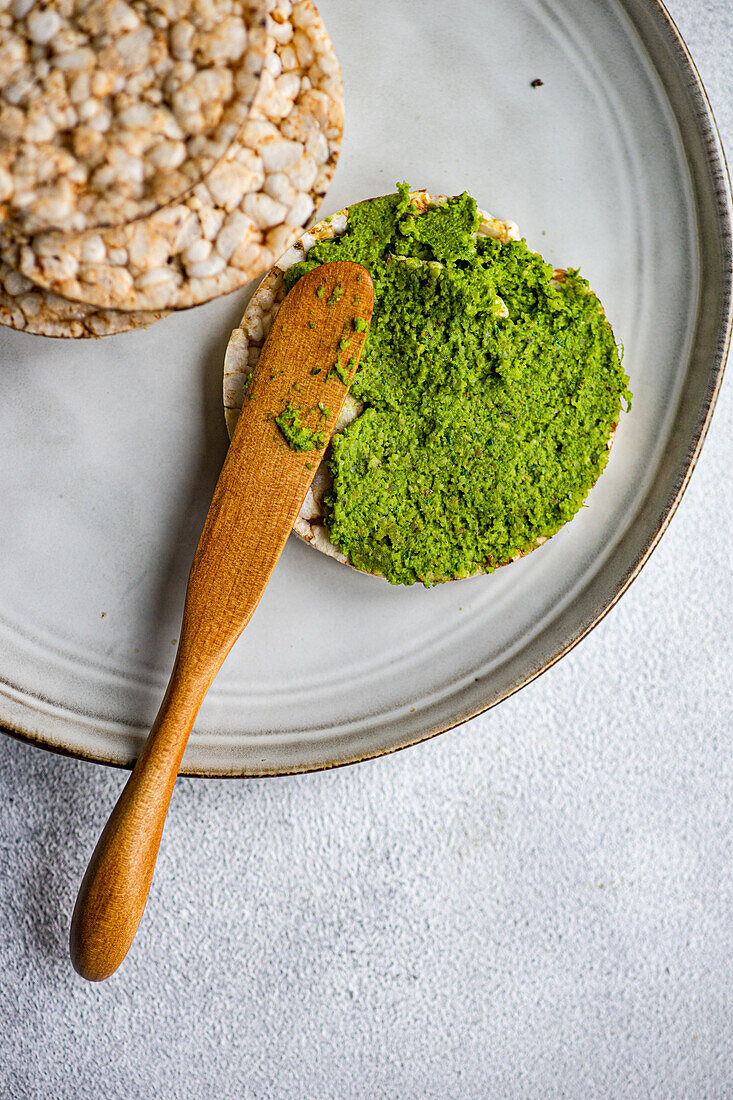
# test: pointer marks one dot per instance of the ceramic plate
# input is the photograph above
(109, 450)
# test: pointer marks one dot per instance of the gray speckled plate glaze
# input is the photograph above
(109, 451)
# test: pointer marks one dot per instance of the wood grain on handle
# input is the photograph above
(257, 498)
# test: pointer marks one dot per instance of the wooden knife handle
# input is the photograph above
(115, 888)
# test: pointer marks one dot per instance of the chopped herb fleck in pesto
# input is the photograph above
(490, 392)
(343, 343)
(311, 324)
(297, 435)
(360, 324)
(316, 370)
(337, 371)
(336, 295)
(321, 290)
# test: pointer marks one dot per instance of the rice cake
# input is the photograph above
(110, 110)
(248, 211)
(247, 340)
(27, 308)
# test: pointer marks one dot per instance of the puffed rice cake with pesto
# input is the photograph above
(248, 338)
(234, 224)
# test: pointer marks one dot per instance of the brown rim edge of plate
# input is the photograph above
(715, 162)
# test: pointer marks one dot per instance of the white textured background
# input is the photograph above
(536, 905)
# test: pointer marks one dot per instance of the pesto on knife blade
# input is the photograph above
(482, 432)
(297, 435)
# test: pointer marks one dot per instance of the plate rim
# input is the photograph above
(722, 195)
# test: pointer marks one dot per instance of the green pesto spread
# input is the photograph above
(490, 390)
(297, 435)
